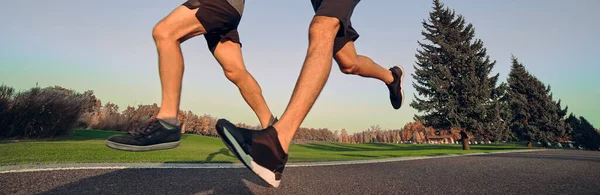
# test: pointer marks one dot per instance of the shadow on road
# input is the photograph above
(164, 181)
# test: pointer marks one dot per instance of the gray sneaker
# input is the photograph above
(155, 135)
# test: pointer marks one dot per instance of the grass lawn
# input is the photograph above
(87, 146)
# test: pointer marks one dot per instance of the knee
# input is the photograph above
(349, 67)
(236, 75)
(161, 32)
(324, 25)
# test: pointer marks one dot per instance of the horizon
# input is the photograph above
(79, 47)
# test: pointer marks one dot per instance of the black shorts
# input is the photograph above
(219, 18)
(342, 10)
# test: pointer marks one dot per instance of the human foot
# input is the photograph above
(259, 150)
(395, 88)
(155, 135)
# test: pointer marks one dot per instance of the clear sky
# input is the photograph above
(106, 46)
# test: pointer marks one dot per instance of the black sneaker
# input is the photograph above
(259, 150)
(156, 135)
(395, 87)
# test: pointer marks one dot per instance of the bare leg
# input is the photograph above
(352, 63)
(312, 79)
(229, 55)
(168, 34)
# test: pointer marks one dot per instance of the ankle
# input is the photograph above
(283, 134)
(169, 119)
(389, 77)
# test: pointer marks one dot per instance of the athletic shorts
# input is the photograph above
(342, 10)
(220, 19)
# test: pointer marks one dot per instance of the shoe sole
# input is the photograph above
(263, 173)
(402, 85)
(125, 147)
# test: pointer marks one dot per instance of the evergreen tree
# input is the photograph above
(535, 115)
(518, 81)
(584, 134)
(499, 115)
(562, 114)
(555, 116)
(451, 75)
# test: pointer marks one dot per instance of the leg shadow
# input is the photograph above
(165, 181)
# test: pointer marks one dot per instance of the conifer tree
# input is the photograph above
(535, 115)
(452, 76)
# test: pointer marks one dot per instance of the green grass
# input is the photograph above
(87, 146)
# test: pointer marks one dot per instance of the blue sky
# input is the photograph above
(106, 46)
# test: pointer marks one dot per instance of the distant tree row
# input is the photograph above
(412, 132)
(108, 117)
(54, 111)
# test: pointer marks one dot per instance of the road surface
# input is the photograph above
(538, 172)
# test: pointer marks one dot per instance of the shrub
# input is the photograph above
(5, 99)
(108, 117)
(41, 112)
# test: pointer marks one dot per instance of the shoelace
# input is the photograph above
(145, 130)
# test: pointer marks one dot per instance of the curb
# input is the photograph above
(117, 166)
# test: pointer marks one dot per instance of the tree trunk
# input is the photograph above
(529, 145)
(465, 140)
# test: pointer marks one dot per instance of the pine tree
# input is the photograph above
(584, 134)
(562, 114)
(535, 115)
(498, 115)
(518, 80)
(555, 125)
(451, 76)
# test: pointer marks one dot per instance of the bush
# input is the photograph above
(108, 117)
(40, 112)
(5, 99)
(113, 121)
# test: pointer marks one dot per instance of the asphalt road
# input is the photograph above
(540, 172)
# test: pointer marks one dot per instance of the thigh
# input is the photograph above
(342, 10)
(213, 40)
(181, 23)
(350, 36)
(220, 19)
